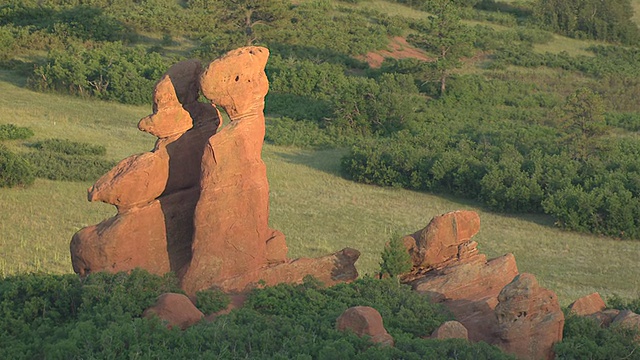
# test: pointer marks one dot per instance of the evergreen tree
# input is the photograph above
(584, 122)
(249, 15)
(445, 36)
(395, 258)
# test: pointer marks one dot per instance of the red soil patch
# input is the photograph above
(399, 48)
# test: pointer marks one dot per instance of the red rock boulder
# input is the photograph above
(365, 321)
(627, 319)
(587, 305)
(529, 317)
(175, 310)
(450, 330)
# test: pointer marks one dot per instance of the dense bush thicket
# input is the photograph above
(65, 317)
(13, 132)
(111, 71)
(56, 316)
(583, 338)
(516, 164)
(14, 169)
(53, 159)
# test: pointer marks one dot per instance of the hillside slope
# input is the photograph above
(318, 210)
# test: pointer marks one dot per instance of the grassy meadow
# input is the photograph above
(318, 210)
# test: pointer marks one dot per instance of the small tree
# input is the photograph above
(246, 15)
(445, 36)
(395, 258)
(583, 121)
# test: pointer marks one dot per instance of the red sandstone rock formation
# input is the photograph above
(588, 305)
(175, 310)
(446, 239)
(448, 268)
(365, 321)
(155, 192)
(198, 203)
(529, 319)
(450, 330)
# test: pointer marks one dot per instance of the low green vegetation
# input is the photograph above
(13, 132)
(54, 159)
(61, 316)
(583, 338)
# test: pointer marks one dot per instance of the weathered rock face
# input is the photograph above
(446, 239)
(198, 203)
(365, 321)
(175, 310)
(604, 318)
(588, 305)
(529, 319)
(155, 192)
(448, 268)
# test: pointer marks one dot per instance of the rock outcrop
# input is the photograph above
(175, 310)
(448, 268)
(529, 318)
(198, 203)
(365, 321)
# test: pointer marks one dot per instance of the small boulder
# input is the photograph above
(450, 330)
(627, 319)
(365, 320)
(604, 318)
(176, 310)
(588, 305)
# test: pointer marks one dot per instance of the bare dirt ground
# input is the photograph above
(398, 48)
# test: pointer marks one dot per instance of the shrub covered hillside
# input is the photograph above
(63, 317)
(504, 112)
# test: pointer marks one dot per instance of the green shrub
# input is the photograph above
(13, 132)
(110, 71)
(56, 166)
(583, 338)
(63, 316)
(14, 170)
(616, 302)
(68, 147)
(395, 258)
(211, 301)
(289, 132)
